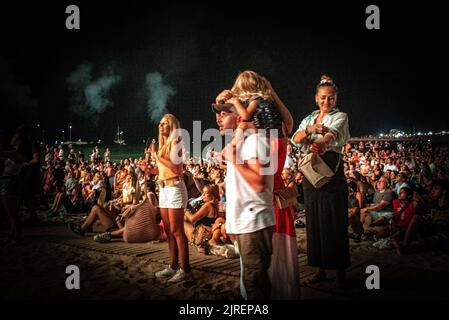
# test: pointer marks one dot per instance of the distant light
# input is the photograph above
(419, 134)
(444, 132)
(381, 135)
(430, 133)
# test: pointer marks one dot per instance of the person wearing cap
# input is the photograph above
(249, 203)
(261, 109)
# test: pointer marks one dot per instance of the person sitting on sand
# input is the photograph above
(96, 193)
(58, 200)
(354, 213)
(119, 179)
(205, 216)
(128, 192)
(405, 221)
(437, 215)
(107, 215)
(381, 211)
(48, 183)
(147, 228)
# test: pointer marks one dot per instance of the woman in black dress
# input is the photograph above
(325, 132)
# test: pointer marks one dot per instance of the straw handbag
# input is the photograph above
(141, 223)
(316, 171)
(287, 197)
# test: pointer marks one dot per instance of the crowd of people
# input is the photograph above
(393, 192)
(375, 172)
(398, 191)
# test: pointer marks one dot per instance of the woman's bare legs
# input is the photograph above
(176, 217)
(118, 233)
(97, 212)
(172, 246)
(57, 202)
(217, 234)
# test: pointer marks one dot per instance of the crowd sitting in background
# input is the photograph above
(384, 178)
(394, 187)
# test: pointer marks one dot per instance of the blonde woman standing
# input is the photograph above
(172, 198)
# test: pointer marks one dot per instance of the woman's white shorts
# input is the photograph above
(173, 197)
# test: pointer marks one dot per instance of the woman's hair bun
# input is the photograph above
(326, 80)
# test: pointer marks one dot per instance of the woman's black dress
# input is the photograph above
(327, 219)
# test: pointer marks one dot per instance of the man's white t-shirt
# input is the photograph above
(247, 210)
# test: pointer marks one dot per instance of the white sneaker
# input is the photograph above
(166, 273)
(180, 275)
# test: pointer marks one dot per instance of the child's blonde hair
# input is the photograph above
(250, 84)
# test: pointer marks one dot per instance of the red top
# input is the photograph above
(405, 214)
(284, 217)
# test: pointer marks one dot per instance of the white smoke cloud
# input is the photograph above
(158, 94)
(90, 96)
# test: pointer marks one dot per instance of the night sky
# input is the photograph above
(386, 77)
